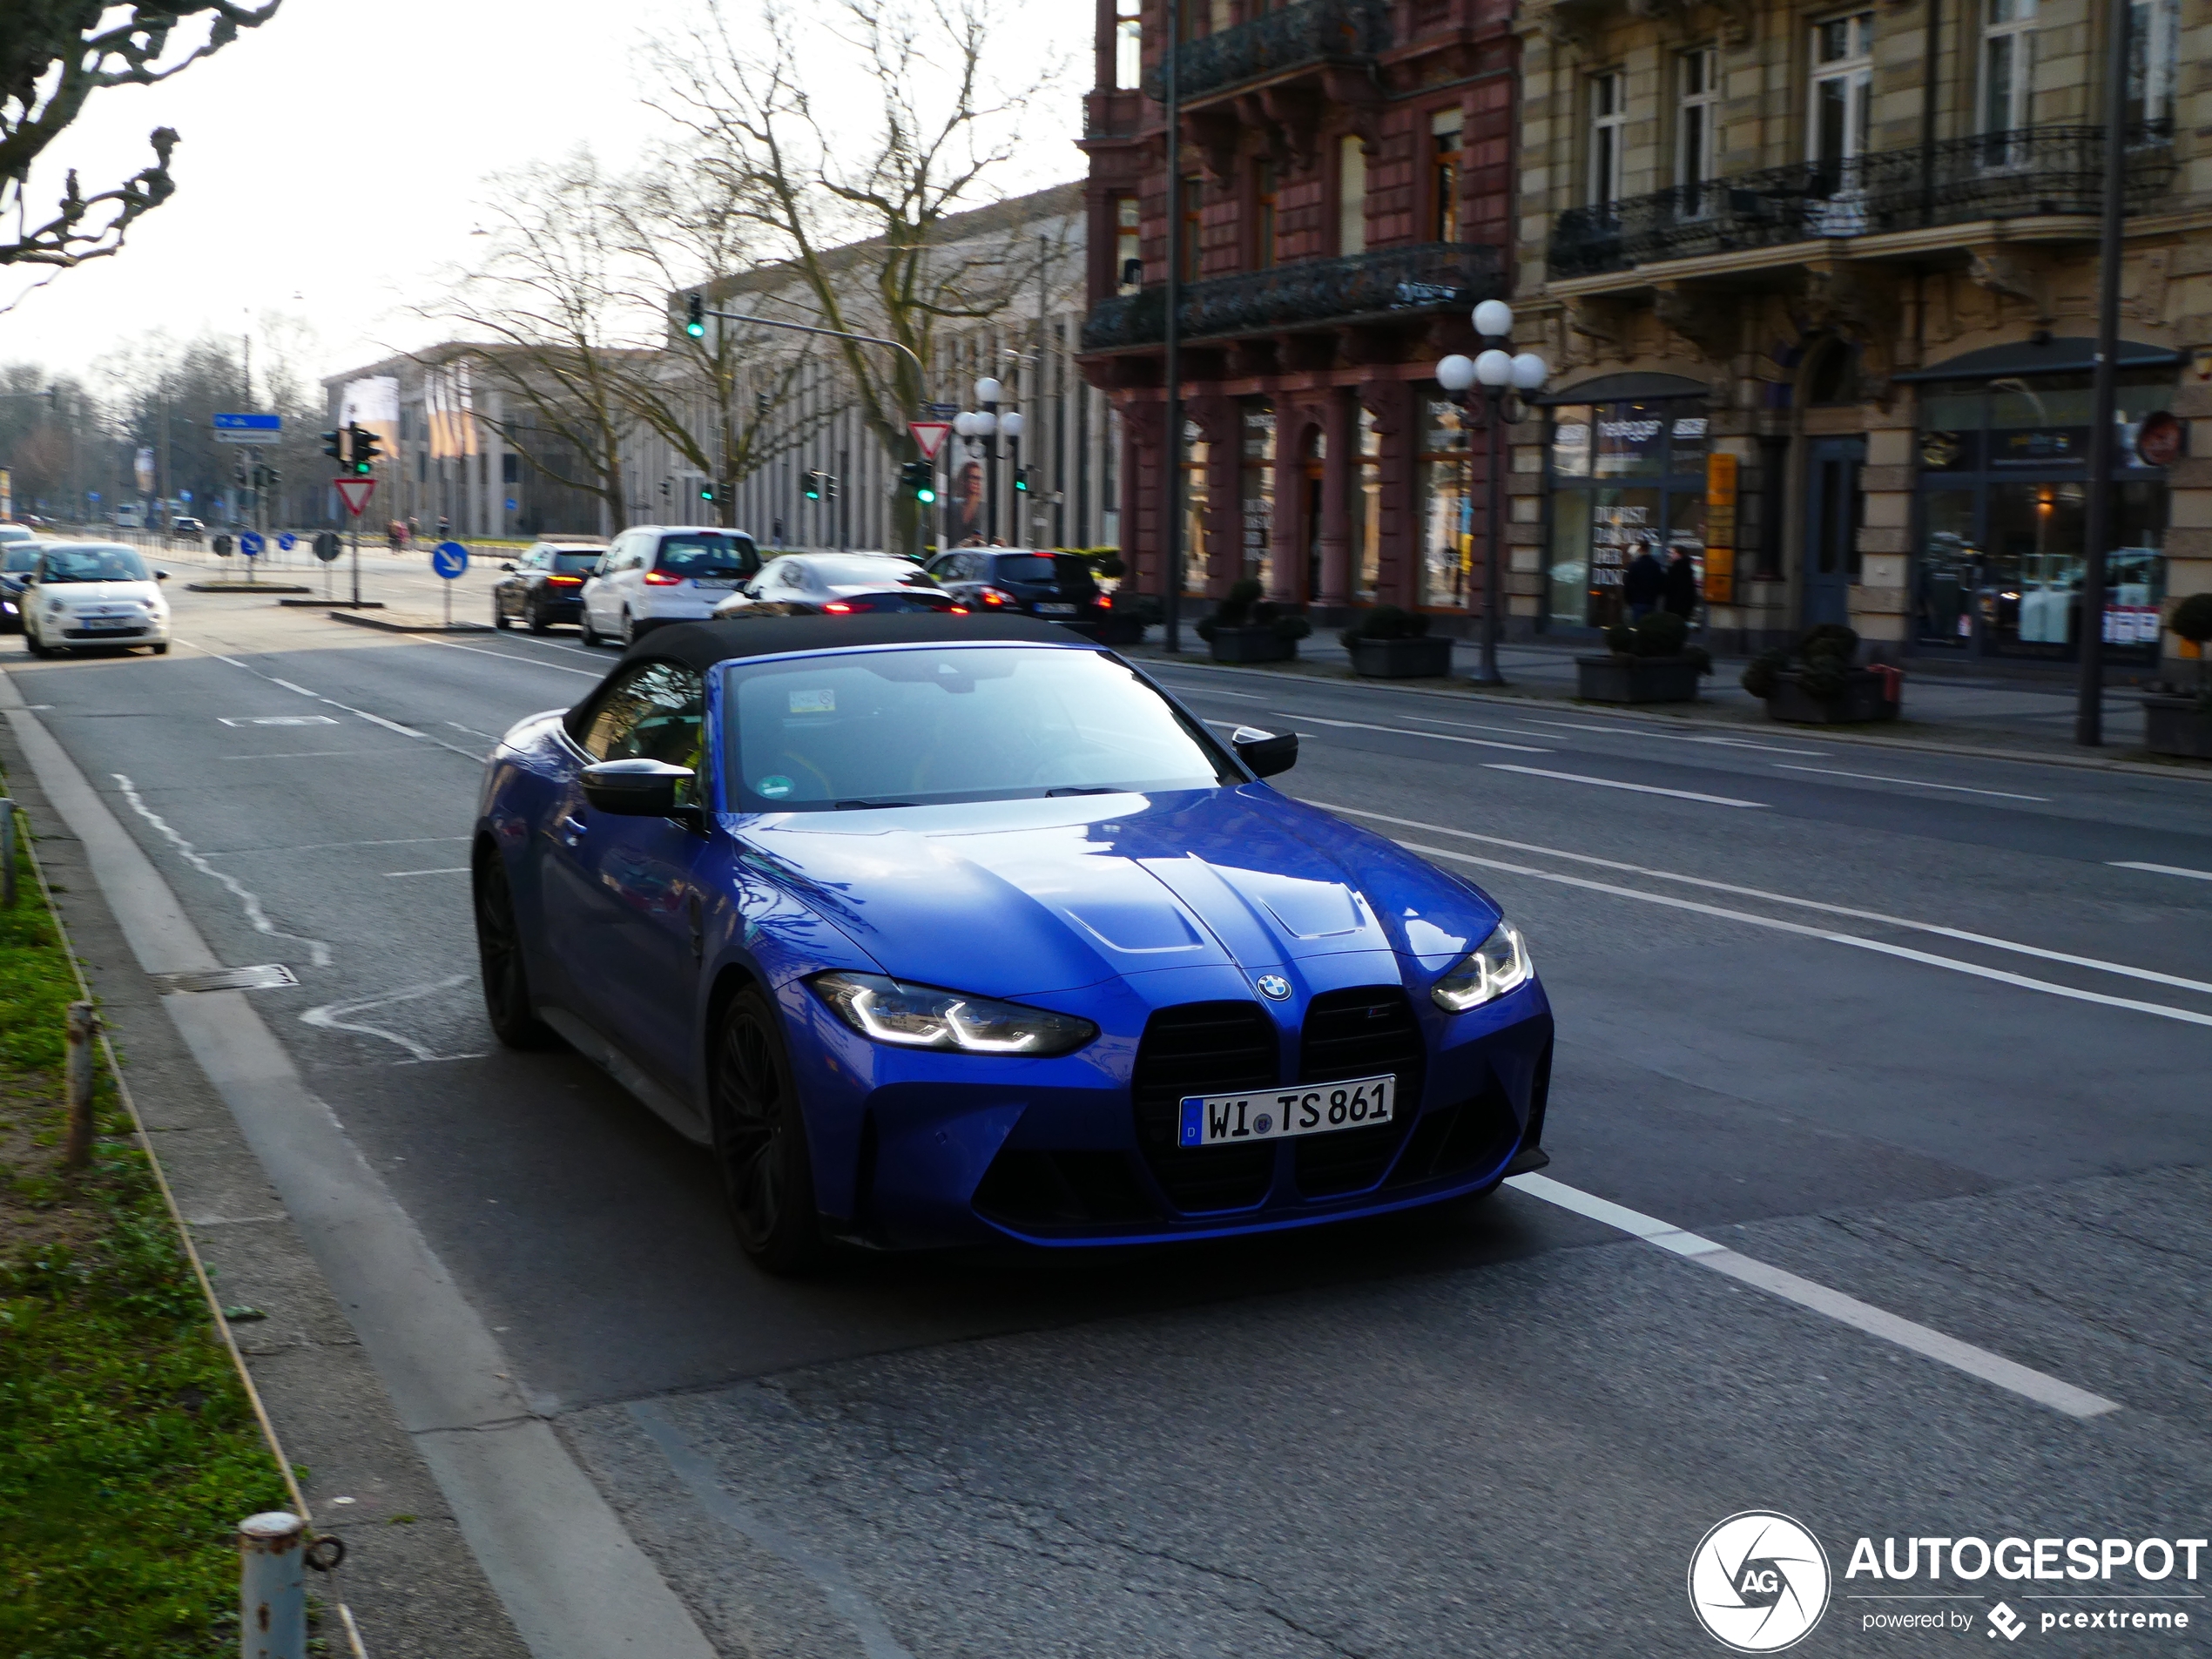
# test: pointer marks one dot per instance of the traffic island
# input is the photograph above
(245, 587)
(402, 622)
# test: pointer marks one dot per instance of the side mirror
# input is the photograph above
(509, 565)
(161, 576)
(1265, 753)
(638, 788)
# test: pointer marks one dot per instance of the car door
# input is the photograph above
(625, 907)
(602, 597)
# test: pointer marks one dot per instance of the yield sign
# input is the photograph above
(355, 492)
(931, 435)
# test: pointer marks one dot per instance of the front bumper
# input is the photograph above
(921, 1149)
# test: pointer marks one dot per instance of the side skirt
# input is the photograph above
(679, 1115)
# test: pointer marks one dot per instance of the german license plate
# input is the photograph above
(1313, 1108)
(107, 624)
(714, 582)
(1055, 610)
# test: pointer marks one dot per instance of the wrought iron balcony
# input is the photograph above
(1427, 276)
(1309, 32)
(2032, 171)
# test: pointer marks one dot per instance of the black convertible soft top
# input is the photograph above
(702, 644)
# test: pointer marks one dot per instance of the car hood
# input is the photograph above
(1014, 898)
(75, 594)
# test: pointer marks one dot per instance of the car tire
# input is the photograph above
(590, 634)
(759, 1137)
(629, 630)
(161, 650)
(499, 956)
(499, 618)
(30, 644)
(537, 622)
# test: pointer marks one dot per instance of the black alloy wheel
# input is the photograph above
(760, 1139)
(535, 619)
(499, 619)
(499, 950)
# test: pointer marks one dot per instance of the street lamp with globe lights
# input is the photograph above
(1507, 380)
(985, 422)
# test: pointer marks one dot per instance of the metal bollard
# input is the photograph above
(272, 1600)
(83, 1024)
(7, 851)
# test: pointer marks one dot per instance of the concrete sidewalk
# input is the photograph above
(1963, 712)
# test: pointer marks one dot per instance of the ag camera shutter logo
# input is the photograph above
(1758, 1582)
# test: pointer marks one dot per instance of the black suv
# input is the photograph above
(1058, 587)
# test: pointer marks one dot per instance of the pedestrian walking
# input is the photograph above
(1679, 593)
(445, 527)
(1644, 584)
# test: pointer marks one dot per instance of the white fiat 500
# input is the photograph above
(86, 594)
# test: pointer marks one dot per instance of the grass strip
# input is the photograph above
(128, 1448)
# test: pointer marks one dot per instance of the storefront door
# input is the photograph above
(1832, 528)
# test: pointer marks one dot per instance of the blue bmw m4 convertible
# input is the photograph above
(940, 929)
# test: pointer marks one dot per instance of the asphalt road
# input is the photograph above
(1897, 1023)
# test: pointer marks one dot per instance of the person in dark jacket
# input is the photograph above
(1679, 585)
(1643, 585)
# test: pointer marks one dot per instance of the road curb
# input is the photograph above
(403, 624)
(2182, 772)
(244, 587)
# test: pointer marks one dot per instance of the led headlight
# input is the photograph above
(1499, 964)
(920, 1016)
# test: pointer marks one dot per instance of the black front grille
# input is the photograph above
(1478, 1133)
(1044, 1189)
(1360, 1033)
(1203, 1048)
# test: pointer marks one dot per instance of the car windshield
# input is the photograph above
(1025, 567)
(92, 564)
(952, 723)
(16, 533)
(709, 554)
(864, 571)
(21, 556)
(584, 559)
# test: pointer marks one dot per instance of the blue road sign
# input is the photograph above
(271, 424)
(251, 545)
(449, 559)
(184, 495)
(287, 540)
(511, 503)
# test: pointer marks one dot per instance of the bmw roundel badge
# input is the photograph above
(1273, 987)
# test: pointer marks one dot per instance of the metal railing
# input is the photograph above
(1311, 31)
(2032, 172)
(1425, 276)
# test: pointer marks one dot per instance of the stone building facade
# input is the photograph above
(1820, 284)
(1345, 198)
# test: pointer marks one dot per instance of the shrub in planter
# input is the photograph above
(1815, 682)
(1246, 629)
(1389, 644)
(1647, 661)
(2177, 720)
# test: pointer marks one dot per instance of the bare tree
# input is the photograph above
(850, 199)
(54, 55)
(557, 331)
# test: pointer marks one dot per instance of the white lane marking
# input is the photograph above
(1916, 783)
(1408, 731)
(2162, 869)
(318, 951)
(304, 754)
(338, 1016)
(458, 869)
(1672, 737)
(276, 719)
(2040, 1386)
(1476, 725)
(2188, 1016)
(1208, 691)
(512, 657)
(332, 702)
(472, 731)
(2123, 970)
(1614, 783)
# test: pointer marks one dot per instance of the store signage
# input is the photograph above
(2158, 440)
(1720, 529)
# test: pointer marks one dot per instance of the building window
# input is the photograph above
(1697, 82)
(1128, 251)
(1257, 493)
(1445, 128)
(1448, 511)
(1609, 121)
(1198, 510)
(1366, 513)
(2150, 61)
(2008, 64)
(1625, 479)
(1129, 44)
(1192, 210)
(1263, 214)
(1351, 194)
(1842, 91)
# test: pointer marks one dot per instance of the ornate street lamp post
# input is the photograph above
(1507, 380)
(985, 422)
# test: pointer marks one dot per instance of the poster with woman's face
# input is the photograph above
(964, 512)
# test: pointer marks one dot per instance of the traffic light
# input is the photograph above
(1021, 479)
(810, 485)
(919, 479)
(333, 445)
(829, 486)
(706, 492)
(365, 450)
(695, 317)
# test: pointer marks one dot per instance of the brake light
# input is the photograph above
(837, 607)
(564, 581)
(959, 610)
(992, 596)
(663, 579)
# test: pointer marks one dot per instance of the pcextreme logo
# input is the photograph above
(1758, 1582)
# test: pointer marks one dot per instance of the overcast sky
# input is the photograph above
(331, 160)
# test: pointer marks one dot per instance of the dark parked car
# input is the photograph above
(18, 558)
(1056, 586)
(545, 585)
(839, 584)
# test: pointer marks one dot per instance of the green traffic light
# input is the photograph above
(697, 330)
(925, 494)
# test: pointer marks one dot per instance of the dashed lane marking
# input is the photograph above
(1915, 783)
(1615, 783)
(2162, 869)
(1408, 731)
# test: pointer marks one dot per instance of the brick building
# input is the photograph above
(1345, 198)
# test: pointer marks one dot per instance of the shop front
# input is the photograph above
(1624, 474)
(2001, 498)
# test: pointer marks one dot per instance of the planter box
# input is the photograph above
(1251, 646)
(1609, 679)
(1863, 699)
(1110, 630)
(2174, 725)
(1402, 660)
